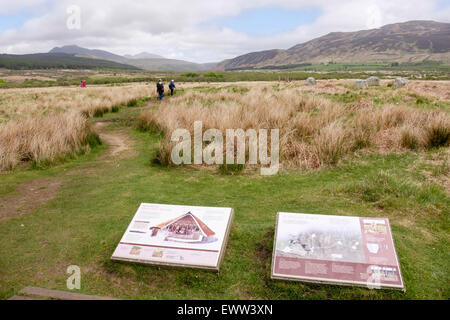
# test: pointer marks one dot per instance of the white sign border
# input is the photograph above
(277, 276)
(182, 265)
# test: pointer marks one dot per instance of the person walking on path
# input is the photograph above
(160, 89)
(172, 87)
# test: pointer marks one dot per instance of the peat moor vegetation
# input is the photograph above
(77, 162)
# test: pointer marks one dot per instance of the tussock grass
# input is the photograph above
(389, 190)
(314, 131)
(438, 131)
(92, 101)
(45, 139)
(413, 200)
(44, 125)
(330, 144)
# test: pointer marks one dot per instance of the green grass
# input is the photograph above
(422, 71)
(427, 66)
(375, 94)
(86, 220)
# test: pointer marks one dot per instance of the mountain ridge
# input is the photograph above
(143, 60)
(411, 41)
(90, 53)
(143, 55)
(57, 61)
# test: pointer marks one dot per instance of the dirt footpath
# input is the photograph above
(29, 196)
(118, 142)
(33, 194)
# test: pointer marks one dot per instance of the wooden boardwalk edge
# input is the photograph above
(54, 294)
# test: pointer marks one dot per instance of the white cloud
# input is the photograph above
(180, 29)
(12, 7)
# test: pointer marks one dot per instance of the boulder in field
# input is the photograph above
(373, 81)
(400, 82)
(360, 84)
(310, 81)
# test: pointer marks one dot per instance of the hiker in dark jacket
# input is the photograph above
(160, 89)
(172, 87)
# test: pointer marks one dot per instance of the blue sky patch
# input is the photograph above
(442, 4)
(268, 21)
(12, 21)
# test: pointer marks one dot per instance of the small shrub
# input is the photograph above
(190, 74)
(93, 139)
(132, 103)
(213, 75)
(438, 132)
(420, 100)
(361, 142)
(231, 169)
(98, 112)
(349, 96)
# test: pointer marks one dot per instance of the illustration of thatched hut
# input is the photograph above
(185, 228)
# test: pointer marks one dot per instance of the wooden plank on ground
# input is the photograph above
(60, 295)
(24, 298)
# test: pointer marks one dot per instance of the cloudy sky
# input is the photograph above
(195, 30)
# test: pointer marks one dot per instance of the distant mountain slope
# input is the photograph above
(144, 60)
(169, 65)
(144, 55)
(251, 59)
(89, 53)
(57, 61)
(412, 41)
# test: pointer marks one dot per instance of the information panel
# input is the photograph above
(176, 235)
(335, 250)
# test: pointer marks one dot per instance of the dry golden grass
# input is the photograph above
(44, 139)
(314, 131)
(431, 89)
(42, 125)
(328, 86)
(24, 103)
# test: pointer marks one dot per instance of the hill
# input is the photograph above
(144, 55)
(89, 53)
(169, 65)
(144, 60)
(412, 41)
(57, 61)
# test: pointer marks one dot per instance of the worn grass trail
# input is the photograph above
(101, 191)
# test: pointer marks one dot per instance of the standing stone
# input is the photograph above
(360, 84)
(400, 82)
(310, 81)
(373, 81)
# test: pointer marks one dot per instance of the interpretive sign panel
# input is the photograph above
(335, 250)
(176, 235)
